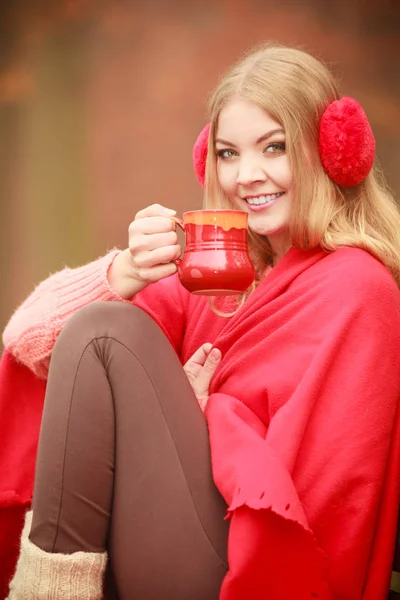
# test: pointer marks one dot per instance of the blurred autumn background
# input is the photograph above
(101, 101)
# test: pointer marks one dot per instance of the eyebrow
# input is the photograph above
(260, 139)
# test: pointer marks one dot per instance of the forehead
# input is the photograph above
(244, 120)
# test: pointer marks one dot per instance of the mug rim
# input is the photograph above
(215, 210)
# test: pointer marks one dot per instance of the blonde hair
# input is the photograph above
(295, 88)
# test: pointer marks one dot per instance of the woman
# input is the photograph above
(299, 386)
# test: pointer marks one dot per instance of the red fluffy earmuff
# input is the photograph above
(200, 154)
(346, 142)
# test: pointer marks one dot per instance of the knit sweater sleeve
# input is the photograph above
(34, 327)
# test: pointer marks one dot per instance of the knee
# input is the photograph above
(118, 320)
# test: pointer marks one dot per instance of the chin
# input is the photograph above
(271, 232)
(261, 228)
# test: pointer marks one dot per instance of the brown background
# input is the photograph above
(100, 102)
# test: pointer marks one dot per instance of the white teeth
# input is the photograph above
(263, 199)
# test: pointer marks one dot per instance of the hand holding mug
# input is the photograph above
(153, 248)
(216, 261)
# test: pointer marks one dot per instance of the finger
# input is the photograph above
(153, 274)
(200, 356)
(150, 225)
(212, 362)
(210, 366)
(155, 210)
(159, 256)
(153, 241)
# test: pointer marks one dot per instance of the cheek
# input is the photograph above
(280, 172)
(286, 174)
(226, 177)
(289, 179)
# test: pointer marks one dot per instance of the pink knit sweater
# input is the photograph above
(33, 328)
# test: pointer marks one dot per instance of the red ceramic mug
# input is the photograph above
(216, 259)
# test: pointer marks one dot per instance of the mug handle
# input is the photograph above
(180, 224)
(178, 221)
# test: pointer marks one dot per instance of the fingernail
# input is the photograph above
(215, 355)
(169, 211)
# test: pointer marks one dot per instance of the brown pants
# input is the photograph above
(124, 460)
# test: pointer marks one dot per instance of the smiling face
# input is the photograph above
(253, 169)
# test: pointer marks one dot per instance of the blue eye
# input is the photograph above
(275, 148)
(226, 153)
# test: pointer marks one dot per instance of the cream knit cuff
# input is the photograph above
(41, 575)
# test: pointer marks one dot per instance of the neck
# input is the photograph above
(280, 244)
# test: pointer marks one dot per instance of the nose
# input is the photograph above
(250, 171)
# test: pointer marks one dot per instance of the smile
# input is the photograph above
(257, 200)
(260, 200)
